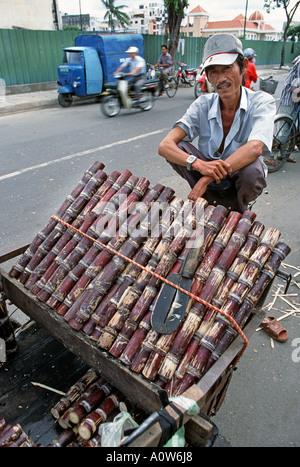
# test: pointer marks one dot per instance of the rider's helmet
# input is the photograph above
(249, 53)
(132, 50)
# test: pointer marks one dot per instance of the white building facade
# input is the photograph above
(29, 14)
(149, 18)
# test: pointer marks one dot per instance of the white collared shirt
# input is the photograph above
(135, 62)
(254, 120)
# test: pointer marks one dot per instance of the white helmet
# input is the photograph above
(249, 53)
(132, 50)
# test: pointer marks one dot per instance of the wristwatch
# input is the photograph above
(190, 161)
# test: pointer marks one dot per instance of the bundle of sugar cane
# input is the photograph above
(18, 269)
(101, 266)
(12, 436)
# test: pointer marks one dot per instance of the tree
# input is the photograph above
(294, 33)
(290, 9)
(175, 10)
(113, 11)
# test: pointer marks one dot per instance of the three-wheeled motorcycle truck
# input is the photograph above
(88, 67)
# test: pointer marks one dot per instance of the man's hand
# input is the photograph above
(200, 188)
(217, 170)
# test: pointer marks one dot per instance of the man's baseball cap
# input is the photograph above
(221, 49)
(132, 50)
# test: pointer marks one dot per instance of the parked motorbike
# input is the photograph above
(186, 75)
(202, 84)
(113, 99)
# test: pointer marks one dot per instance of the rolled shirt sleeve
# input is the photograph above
(263, 120)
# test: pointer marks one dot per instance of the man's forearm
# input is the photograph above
(245, 155)
(200, 188)
(168, 148)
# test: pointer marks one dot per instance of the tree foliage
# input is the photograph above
(114, 14)
(294, 33)
(175, 9)
(290, 7)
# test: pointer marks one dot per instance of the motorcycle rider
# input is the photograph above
(251, 74)
(137, 70)
(233, 128)
(207, 85)
(165, 61)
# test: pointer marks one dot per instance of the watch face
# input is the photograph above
(189, 162)
(191, 159)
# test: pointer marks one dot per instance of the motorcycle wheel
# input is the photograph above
(146, 101)
(65, 100)
(172, 89)
(198, 89)
(192, 81)
(111, 106)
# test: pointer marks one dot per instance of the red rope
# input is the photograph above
(163, 279)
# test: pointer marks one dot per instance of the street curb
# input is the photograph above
(12, 108)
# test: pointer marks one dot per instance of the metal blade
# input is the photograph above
(163, 304)
(178, 307)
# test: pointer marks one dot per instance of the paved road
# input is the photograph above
(44, 153)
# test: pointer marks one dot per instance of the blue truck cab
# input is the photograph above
(88, 67)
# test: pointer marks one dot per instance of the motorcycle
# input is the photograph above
(202, 86)
(186, 75)
(113, 99)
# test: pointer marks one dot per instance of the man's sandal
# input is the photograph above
(271, 162)
(291, 159)
(274, 329)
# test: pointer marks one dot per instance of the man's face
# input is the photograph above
(226, 79)
(164, 50)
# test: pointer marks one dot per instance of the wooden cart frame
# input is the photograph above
(208, 393)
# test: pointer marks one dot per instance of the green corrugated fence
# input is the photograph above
(28, 56)
(32, 56)
(190, 50)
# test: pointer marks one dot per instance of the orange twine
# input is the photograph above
(163, 279)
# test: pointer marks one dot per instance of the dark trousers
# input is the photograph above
(137, 83)
(249, 181)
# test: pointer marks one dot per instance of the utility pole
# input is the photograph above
(246, 8)
(80, 15)
(55, 14)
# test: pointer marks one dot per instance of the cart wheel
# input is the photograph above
(65, 100)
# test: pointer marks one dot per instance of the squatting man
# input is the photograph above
(234, 127)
